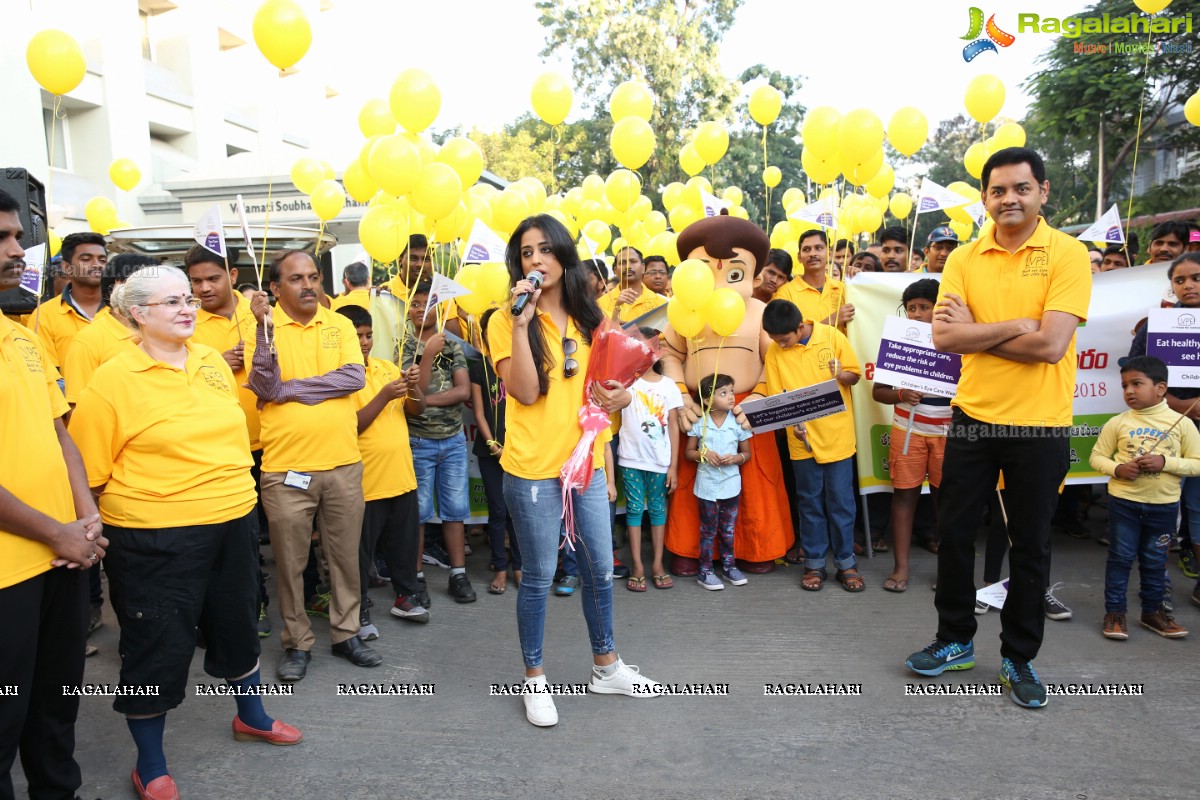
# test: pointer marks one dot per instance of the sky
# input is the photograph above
(484, 55)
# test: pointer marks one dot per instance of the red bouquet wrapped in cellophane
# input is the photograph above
(620, 356)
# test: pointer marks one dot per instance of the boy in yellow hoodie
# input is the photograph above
(1146, 452)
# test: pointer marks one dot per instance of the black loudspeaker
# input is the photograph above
(31, 195)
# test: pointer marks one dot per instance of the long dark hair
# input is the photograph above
(577, 295)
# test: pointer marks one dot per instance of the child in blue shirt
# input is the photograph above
(719, 446)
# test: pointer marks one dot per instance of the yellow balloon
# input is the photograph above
(963, 229)
(907, 130)
(383, 231)
(599, 234)
(672, 195)
(693, 283)
(820, 132)
(690, 160)
(685, 321)
(711, 141)
(819, 170)
(124, 174)
(55, 60)
(765, 103)
(656, 223)
(882, 183)
(984, 97)
(724, 311)
(870, 220)
(632, 142)
(1010, 134)
(358, 182)
(781, 234)
(424, 147)
(282, 32)
(375, 119)
(395, 164)
(622, 187)
(1152, 6)
(733, 194)
(438, 190)
(567, 221)
(860, 134)
(508, 209)
(1191, 109)
(661, 244)
(974, 159)
(864, 171)
(53, 243)
(793, 197)
(494, 282)
(464, 156)
(478, 208)
(631, 99)
(641, 207)
(593, 187)
(306, 174)
(535, 193)
(771, 177)
(551, 97)
(415, 100)
(683, 215)
(455, 225)
(901, 205)
(327, 200)
(101, 214)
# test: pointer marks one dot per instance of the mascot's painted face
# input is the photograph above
(736, 272)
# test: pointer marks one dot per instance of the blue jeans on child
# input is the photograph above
(1142, 531)
(441, 467)
(826, 500)
(536, 510)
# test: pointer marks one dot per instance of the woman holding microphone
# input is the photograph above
(540, 348)
(165, 445)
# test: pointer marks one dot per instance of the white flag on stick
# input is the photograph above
(443, 289)
(713, 204)
(822, 213)
(210, 233)
(1107, 229)
(483, 245)
(978, 213)
(241, 209)
(35, 269)
(934, 197)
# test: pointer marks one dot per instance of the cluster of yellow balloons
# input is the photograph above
(1009, 134)
(632, 139)
(696, 302)
(488, 284)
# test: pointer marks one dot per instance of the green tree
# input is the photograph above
(1081, 100)
(669, 45)
(559, 157)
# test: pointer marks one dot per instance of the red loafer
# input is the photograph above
(281, 733)
(161, 788)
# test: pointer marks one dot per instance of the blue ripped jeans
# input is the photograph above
(535, 507)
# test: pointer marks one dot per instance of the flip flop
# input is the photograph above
(494, 589)
(663, 582)
(894, 585)
(636, 584)
(850, 581)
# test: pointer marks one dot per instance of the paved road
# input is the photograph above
(463, 743)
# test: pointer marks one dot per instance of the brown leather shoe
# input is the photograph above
(1115, 626)
(1163, 624)
(281, 733)
(161, 788)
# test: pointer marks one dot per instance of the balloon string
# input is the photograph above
(767, 203)
(1138, 136)
(37, 313)
(706, 405)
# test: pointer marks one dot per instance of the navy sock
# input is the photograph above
(250, 707)
(148, 736)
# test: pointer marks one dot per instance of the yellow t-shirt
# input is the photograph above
(831, 437)
(814, 304)
(305, 438)
(1051, 272)
(647, 301)
(57, 323)
(222, 334)
(105, 338)
(168, 445)
(539, 438)
(358, 297)
(32, 468)
(386, 455)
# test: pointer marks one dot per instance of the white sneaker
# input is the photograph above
(539, 703)
(627, 680)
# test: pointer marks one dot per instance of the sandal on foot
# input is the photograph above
(813, 580)
(663, 581)
(494, 588)
(794, 557)
(636, 584)
(879, 546)
(850, 581)
(895, 584)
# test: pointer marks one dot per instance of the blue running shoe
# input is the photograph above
(941, 656)
(1023, 685)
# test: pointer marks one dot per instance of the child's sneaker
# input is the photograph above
(710, 581)
(735, 576)
(1163, 624)
(1024, 687)
(366, 630)
(1115, 626)
(1187, 562)
(940, 656)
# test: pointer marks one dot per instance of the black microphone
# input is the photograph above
(536, 277)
